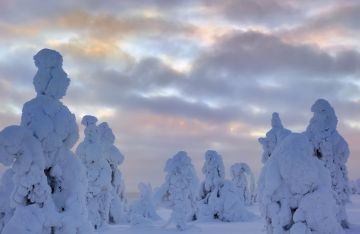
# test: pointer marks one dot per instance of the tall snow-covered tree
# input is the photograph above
(99, 193)
(54, 126)
(218, 198)
(273, 137)
(30, 208)
(330, 147)
(179, 189)
(118, 205)
(143, 210)
(295, 190)
(244, 182)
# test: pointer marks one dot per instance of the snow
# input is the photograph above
(244, 181)
(219, 198)
(273, 137)
(330, 147)
(295, 190)
(255, 226)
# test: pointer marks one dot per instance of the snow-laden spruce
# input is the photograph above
(179, 189)
(54, 126)
(244, 181)
(143, 210)
(273, 137)
(118, 204)
(30, 208)
(295, 190)
(218, 198)
(330, 147)
(98, 173)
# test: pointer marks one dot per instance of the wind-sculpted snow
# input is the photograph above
(219, 198)
(179, 190)
(143, 210)
(295, 190)
(244, 181)
(54, 126)
(273, 137)
(330, 147)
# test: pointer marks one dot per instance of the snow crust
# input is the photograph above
(295, 190)
(330, 147)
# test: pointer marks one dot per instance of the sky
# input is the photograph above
(189, 75)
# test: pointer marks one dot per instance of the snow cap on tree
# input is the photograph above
(50, 79)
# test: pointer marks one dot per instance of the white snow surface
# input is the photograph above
(255, 226)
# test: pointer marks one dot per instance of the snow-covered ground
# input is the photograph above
(253, 227)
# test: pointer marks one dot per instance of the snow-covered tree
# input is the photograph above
(143, 209)
(244, 181)
(30, 208)
(218, 197)
(118, 204)
(179, 190)
(273, 137)
(295, 190)
(54, 126)
(330, 147)
(99, 194)
(355, 186)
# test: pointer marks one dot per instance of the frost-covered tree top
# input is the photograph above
(273, 137)
(50, 79)
(213, 169)
(295, 190)
(324, 121)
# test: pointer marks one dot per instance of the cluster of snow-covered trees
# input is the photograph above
(48, 189)
(303, 187)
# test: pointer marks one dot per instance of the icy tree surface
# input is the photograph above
(99, 193)
(330, 147)
(295, 190)
(143, 210)
(54, 126)
(244, 182)
(118, 204)
(179, 190)
(273, 137)
(218, 198)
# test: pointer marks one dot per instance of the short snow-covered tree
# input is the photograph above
(143, 210)
(118, 204)
(273, 137)
(54, 126)
(295, 190)
(218, 198)
(330, 147)
(244, 182)
(30, 208)
(179, 190)
(98, 173)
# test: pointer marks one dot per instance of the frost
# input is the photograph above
(273, 137)
(244, 182)
(179, 190)
(143, 209)
(295, 190)
(330, 147)
(219, 198)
